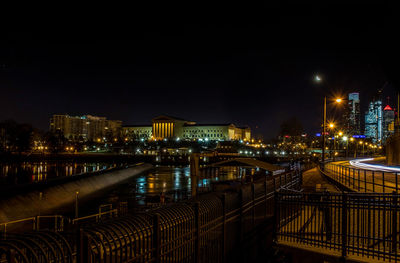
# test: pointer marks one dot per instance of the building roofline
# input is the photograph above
(137, 125)
(205, 124)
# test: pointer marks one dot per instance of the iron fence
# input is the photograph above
(363, 180)
(345, 224)
(203, 229)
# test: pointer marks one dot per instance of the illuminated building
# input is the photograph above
(373, 121)
(388, 122)
(353, 114)
(135, 132)
(165, 127)
(216, 132)
(85, 127)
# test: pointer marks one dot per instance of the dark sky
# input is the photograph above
(250, 66)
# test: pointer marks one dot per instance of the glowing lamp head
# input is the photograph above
(317, 78)
(338, 100)
(331, 125)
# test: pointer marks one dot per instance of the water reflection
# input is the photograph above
(29, 172)
(175, 181)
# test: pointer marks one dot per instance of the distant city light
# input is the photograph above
(344, 138)
(317, 78)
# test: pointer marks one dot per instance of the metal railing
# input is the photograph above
(363, 180)
(203, 229)
(354, 225)
(52, 222)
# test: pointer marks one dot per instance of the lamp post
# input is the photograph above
(318, 79)
(323, 130)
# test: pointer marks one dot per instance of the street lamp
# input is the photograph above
(318, 79)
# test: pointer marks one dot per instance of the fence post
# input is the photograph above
(37, 225)
(394, 222)
(383, 181)
(265, 199)
(10, 256)
(373, 181)
(365, 180)
(82, 253)
(327, 214)
(344, 224)
(197, 232)
(276, 218)
(241, 215)
(253, 210)
(223, 227)
(156, 238)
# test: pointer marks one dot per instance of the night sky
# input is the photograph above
(253, 66)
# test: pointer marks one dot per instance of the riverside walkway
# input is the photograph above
(374, 178)
(359, 225)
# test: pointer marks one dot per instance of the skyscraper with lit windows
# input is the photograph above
(374, 121)
(353, 115)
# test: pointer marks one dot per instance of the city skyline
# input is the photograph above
(212, 71)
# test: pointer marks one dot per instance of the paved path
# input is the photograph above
(362, 180)
(312, 178)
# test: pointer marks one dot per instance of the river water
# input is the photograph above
(18, 173)
(174, 181)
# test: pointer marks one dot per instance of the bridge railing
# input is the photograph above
(363, 180)
(345, 224)
(204, 229)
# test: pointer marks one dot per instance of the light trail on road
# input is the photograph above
(359, 163)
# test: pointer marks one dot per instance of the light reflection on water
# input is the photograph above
(29, 172)
(175, 181)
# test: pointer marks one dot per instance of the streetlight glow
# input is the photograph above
(338, 100)
(317, 78)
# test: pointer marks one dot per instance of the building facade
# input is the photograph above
(137, 132)
(353, 118)
(166, 127)
(85, 128)
(388, 122)
(374, 122)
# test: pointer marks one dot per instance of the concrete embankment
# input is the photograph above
(52, 198)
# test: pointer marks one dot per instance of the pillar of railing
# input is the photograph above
(383, 181)
(156, 238)
(394, 222)
(82, 247)
(253, 197)
(223, 227)
(197, 232)
(373, 181)
(344, 225)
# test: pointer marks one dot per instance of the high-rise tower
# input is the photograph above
(353, 114)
